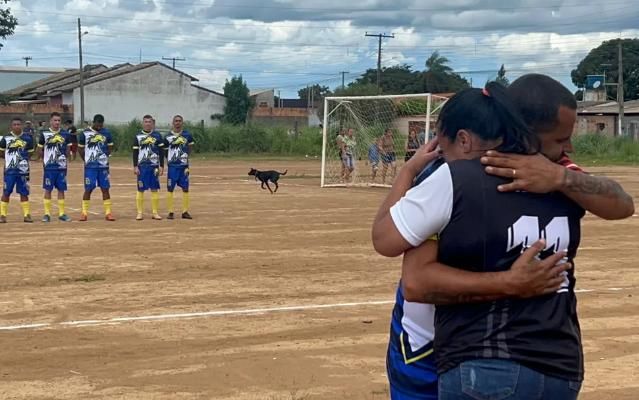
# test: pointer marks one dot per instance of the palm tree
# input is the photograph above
(437, 64)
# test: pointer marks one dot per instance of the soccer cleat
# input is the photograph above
(64, 218)
(83, 217)
(157, 217)
(3, 219)
(139, 217)
(28, 219)
(186, 215)
(109, 217)
(171, 216)
(46, 218)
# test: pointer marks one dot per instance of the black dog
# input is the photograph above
(266, 176)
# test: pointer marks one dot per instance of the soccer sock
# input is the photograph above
(85, 206)
(4, 206)
(107, 207)
(26, 208)
(170, 202)
(155, 202)
(186, 202)
(61, 204)
(47, 206)
(139, 202)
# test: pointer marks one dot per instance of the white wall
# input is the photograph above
(156, 90)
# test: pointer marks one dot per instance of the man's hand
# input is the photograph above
(530, 277)
(533, 173)
(423, 156)
(161, 171)
(136, 171)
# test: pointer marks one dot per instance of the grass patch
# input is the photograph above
(599, 150)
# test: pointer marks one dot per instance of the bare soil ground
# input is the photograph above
(258, 265)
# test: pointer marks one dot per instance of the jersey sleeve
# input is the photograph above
(81, 140)
(426, 209)
(190, 140)
(160, 140)
(136, 143)
(3, 144)
(31, 144)
(109, 138)
(40, 140)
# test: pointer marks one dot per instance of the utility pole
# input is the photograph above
(140, 55)
(380, 36)
(343, 78)
(81, 74)
(27, 59)
(174, 59)
(620, 94)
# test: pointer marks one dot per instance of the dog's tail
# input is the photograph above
(283, 173)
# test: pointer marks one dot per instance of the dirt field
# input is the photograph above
(290, 300)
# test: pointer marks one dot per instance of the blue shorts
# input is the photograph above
(149, 179)
(54, 180)
(413, 379)
(96, 177)
(19, 182)
(389, 157)
(178, 176)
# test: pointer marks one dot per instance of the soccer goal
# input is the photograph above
(381, 127)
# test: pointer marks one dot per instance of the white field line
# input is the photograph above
(220, 313)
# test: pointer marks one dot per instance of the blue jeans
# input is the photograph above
(503, 380)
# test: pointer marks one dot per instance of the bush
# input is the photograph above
(237, 139)
(594, 147)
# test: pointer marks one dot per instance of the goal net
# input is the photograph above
(368, 138)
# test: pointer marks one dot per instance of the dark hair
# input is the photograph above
(148, 117)
(538, 98)
(68, 122)
(98, 119)
(490, 114)
(16, 119)
(55, 114)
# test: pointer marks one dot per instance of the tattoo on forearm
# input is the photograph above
(595, 185)
(444, 299)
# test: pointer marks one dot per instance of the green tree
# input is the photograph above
(399, 79)
(440, 78)
(238, 101)
(319, 92)
(8, 22)
(438, 64)
(608, 53)
(501, 76)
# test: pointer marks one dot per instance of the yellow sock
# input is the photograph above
(26, 208)
(85, 206)
(155, 202)
(186, 202)
(107, 207)
(4, 206)
(47, 206)
(139, 202)
(170, 202)
(61, 204)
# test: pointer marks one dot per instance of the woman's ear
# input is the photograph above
(464, 141)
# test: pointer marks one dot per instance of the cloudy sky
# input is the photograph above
(288, 44)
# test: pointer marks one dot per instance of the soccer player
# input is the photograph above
(373, 158)
(179, 145)
(389, 158)
(73, 137)
(148, 166)
(348, 144)
(95, 145)
(16, 149)
(53, 148)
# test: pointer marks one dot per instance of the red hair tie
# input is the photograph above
(485, 92)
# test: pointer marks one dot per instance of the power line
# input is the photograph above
(380, 36)
(26, 60)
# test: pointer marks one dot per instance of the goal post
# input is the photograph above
(377, 146)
